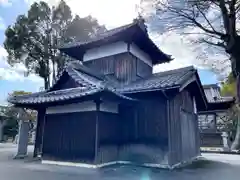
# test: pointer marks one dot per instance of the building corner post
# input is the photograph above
(98, 103)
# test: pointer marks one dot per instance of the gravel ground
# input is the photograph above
(211, 167)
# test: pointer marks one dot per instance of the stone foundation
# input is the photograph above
(134, 154)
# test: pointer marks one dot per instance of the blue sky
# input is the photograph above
(12, 77)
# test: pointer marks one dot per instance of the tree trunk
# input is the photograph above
(46, 83)
(54, 72)
(235, 63)
(236, 142)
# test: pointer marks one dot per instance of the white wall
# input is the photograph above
(106, 50)
(83, 107)
(78, 107)
(140, 54)
(116, 48)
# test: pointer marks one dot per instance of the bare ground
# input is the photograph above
(211, 167)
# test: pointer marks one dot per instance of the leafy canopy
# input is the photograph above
(34, 38)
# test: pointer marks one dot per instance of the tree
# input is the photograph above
(214, 21)
(229, 86)
(34, 38)
(14, 114)
(233, 121)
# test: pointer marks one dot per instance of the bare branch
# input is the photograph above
(213, 44)
(224, 11)
(204, 16)
(180, 12)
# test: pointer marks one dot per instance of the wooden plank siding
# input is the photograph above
(70, 137)
(110, 137)
(145, 130)
(124, 67)
(183, 129)
(138, 134)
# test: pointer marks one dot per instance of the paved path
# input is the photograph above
(216, 167)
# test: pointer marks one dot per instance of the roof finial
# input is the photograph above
(141, 22)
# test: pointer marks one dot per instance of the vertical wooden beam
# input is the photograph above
(39, 132)
(135, 111)
(215, 121)
(170, 153)
(98, 103)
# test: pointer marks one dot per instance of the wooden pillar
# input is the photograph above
(39, 133)
(170, 147)
(98, 102)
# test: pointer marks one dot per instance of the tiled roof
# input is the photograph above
(162, 80)
(43, 97)
(127, 32)
(81, 74)
(93, 83)
(98, 37)
(212, 92)
(61, 95)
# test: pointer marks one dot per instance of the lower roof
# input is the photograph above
(212, 92)
(92, 83)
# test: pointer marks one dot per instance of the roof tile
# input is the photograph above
(93, 83)
(162, 80)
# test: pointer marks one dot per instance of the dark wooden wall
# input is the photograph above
(70, 136)
(69, 83)
(109, 137)
(109, 128)
(183, 128)
(146, 122)
(125, 67)
(65, 83)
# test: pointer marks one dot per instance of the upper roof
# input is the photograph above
(163, 80)
(212, 92)
(135, 32)
(91, 83)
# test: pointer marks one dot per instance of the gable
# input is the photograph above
(194, 87)
(64, 82)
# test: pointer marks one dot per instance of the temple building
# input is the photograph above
(212, 120)
(108, 106)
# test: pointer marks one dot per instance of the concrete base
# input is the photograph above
(18, 156)
(179, 165)
(213, 149)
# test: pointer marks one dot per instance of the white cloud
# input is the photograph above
(2, 24)
(114, 13)
(5, 3)
(173, 44)
(15, 73)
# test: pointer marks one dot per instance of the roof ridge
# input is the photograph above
(80, 67)
(173, 71)
(88, 81)
(99, 36)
